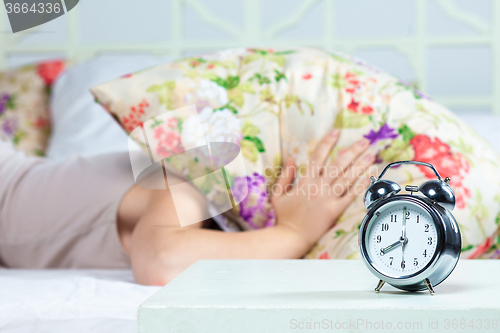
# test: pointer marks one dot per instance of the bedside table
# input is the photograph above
(275, 296)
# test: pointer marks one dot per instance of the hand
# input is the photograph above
(312, 204)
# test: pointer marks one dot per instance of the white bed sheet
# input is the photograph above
(70, 301)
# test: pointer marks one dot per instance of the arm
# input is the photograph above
(160, 249)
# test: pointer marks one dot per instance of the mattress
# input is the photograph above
(70, 301)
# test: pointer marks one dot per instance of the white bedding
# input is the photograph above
(70, 301)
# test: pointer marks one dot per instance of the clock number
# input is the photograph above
(415, 262)
(425, 253)
(394, 218)
(382, 252)
(418, 218)
(407, 215)
(403, 264)
(379, 239)
(392, 258)
(385, 226)
(429, 240)
(426, 228)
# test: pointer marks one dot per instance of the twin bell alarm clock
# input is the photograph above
(410, 241)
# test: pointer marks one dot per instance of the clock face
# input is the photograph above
(401, 238)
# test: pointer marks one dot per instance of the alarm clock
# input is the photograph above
(410, 241)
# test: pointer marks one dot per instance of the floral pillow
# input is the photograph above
(24, 105)
(277, 104)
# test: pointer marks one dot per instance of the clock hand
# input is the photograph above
(402, 255)
(403, 239)
(391, 247)
(403, 235)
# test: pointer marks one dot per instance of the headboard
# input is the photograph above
(448, 48)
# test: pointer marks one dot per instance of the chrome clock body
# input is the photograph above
(435, 205)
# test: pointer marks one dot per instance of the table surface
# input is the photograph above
(285, 295)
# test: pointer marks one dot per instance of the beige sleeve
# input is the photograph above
(61, 214)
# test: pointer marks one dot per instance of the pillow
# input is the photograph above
(24, 105)
(277, 104)
(79, 125)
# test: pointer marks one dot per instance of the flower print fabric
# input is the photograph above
(254, 207)
(297, 150)
(24, 105)
(439, 154)
(133, 118)
(205, 92)
(50, 70)
(385, 132)
(277, 104)
(220, 126)
(4, 102)
(168, 139)
(10, 126)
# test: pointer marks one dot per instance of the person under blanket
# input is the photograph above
(276, 105)
(86, 212)
(290, 108)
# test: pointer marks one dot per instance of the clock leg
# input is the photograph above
(429, 286)
(379, 286)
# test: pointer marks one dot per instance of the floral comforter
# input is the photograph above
(277, 104)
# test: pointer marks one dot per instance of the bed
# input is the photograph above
(70, 300)
(107, 300)
(98, 300)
